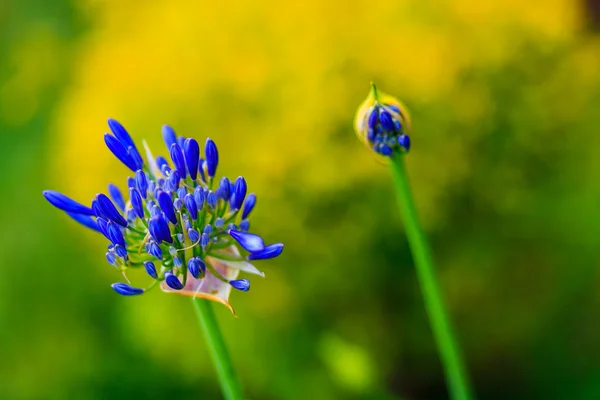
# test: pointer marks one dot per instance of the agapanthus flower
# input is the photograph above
(383, 124)
(184, 227)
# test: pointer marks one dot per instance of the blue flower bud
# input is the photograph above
(85, 220)
(135, 156)
(126, 290)
(121, 251)
(178, 160)
(173, 251)
(169, 136)
(159, 229)
(404, 142)
(212, 157)
(109, 211)
(111, 258)
(151, 186)
(177, 262)
(270, 251)
(117, 196)
(166, 205)
(136, 202)
(204, 239)
(199, 197)
(201, 164)
(211, 199)
(208, 229)
(172, 182)
(182, 192)
(249, 205)
(172, 281)
(96, 208)
(196, 267)
(121, 133)
(240, 284)
(192, 156)
(385, 150)
(248, 241)
(65, 203)
(154, 250)
(225, 187)
(114, 234)
(178, 204)
(119, 151)
(239, 193)
(163, 164)
(219, 222)
(186, 222)
(151, 269)
(244, 225)
(181, 237)
(386, 120)
(191, 206)
(181, 141)
(141, 181)
(193, 235)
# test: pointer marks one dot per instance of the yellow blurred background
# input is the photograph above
(505, 102)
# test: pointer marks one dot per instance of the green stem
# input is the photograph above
(218, 352)
(456, 375)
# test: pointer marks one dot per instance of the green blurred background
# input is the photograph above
(505, 100)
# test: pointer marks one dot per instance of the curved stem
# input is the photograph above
(456, 375)
(230, 385)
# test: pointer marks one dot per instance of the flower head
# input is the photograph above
(180, 224)
(382, 123)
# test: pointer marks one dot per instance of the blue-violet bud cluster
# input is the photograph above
(183, 226)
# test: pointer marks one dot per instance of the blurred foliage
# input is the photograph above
(505, 99)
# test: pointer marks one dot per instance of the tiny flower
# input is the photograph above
(141, 182)
(249, 205)
(240, 284)
(172, 281)
(383, 124)
(178, 159)
(151, 269)
(192, 156)
(177, 220)
(212, 157)
(126, 290)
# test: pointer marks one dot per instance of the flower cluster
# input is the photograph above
(382, 123)
(179, 223)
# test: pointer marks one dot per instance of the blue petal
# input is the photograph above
(159, 229)
(373, 118)
(212, 157)
(211, 199)
(115, 235)
(404, 141)
(85, 220)
(117, 196)
(192, 156)
(119, 151)
(103, 226)
(386, 120)
(270, 251)
(248, 241)
(249, 205)
(126, 290)
(109, 211)
(65, 203)
(123, 136)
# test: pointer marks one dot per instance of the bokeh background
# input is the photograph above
(505, 99)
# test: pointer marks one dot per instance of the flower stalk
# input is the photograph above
(228, 380)
(454, 368)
